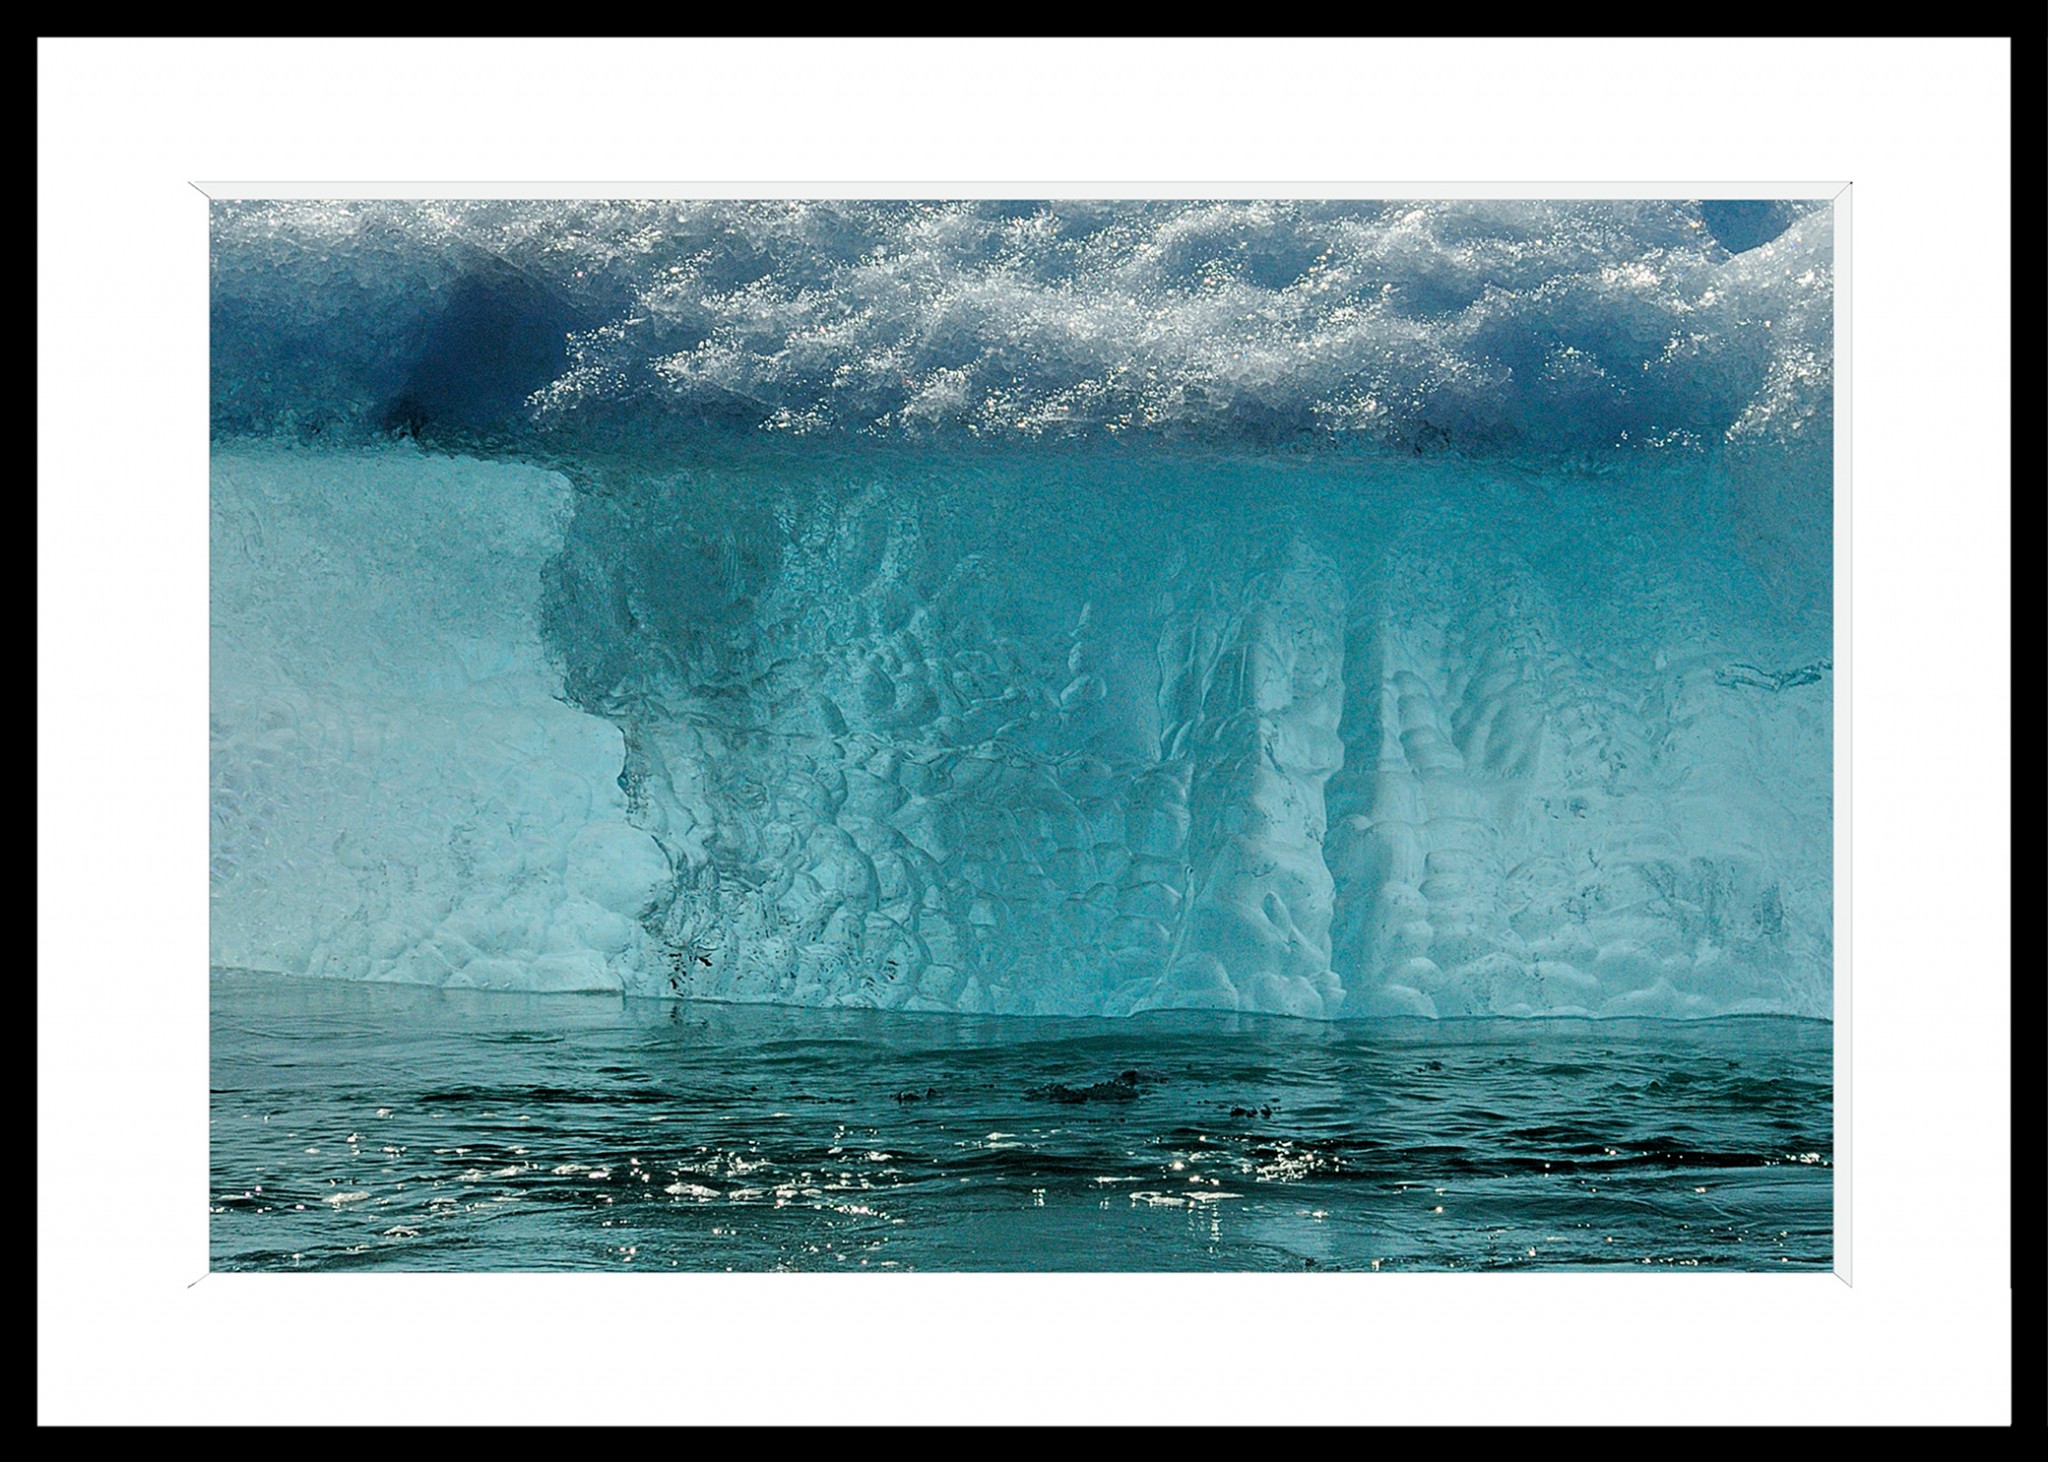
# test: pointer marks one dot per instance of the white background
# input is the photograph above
(124, 1335)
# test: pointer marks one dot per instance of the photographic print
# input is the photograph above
(1057, 734)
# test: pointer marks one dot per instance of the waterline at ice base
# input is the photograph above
(1328, 610)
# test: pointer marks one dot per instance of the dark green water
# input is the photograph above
(381, 1127)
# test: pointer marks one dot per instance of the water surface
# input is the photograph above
(381, 1127)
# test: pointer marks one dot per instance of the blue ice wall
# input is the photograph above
(1331, 610)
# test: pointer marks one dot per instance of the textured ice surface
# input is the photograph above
(1067, 733)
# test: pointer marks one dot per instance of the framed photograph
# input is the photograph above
(1050, 733)
(1046, 718)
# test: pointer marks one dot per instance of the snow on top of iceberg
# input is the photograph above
(1482, 326)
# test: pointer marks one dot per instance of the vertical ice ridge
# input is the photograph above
(1254, 932)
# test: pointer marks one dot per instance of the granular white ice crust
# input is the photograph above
(1490, 326)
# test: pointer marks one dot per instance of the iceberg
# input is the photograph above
(1337, 610)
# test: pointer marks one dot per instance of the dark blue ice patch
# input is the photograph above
(1742, 224)
(500, 336)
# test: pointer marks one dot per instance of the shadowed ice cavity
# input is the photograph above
(498, 335)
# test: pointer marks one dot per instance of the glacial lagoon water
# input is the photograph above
(384, 1127)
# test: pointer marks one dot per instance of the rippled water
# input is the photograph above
(365, 1126)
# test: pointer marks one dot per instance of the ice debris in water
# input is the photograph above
(1125, 1086)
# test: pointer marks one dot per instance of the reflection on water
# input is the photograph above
(396, 1128)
